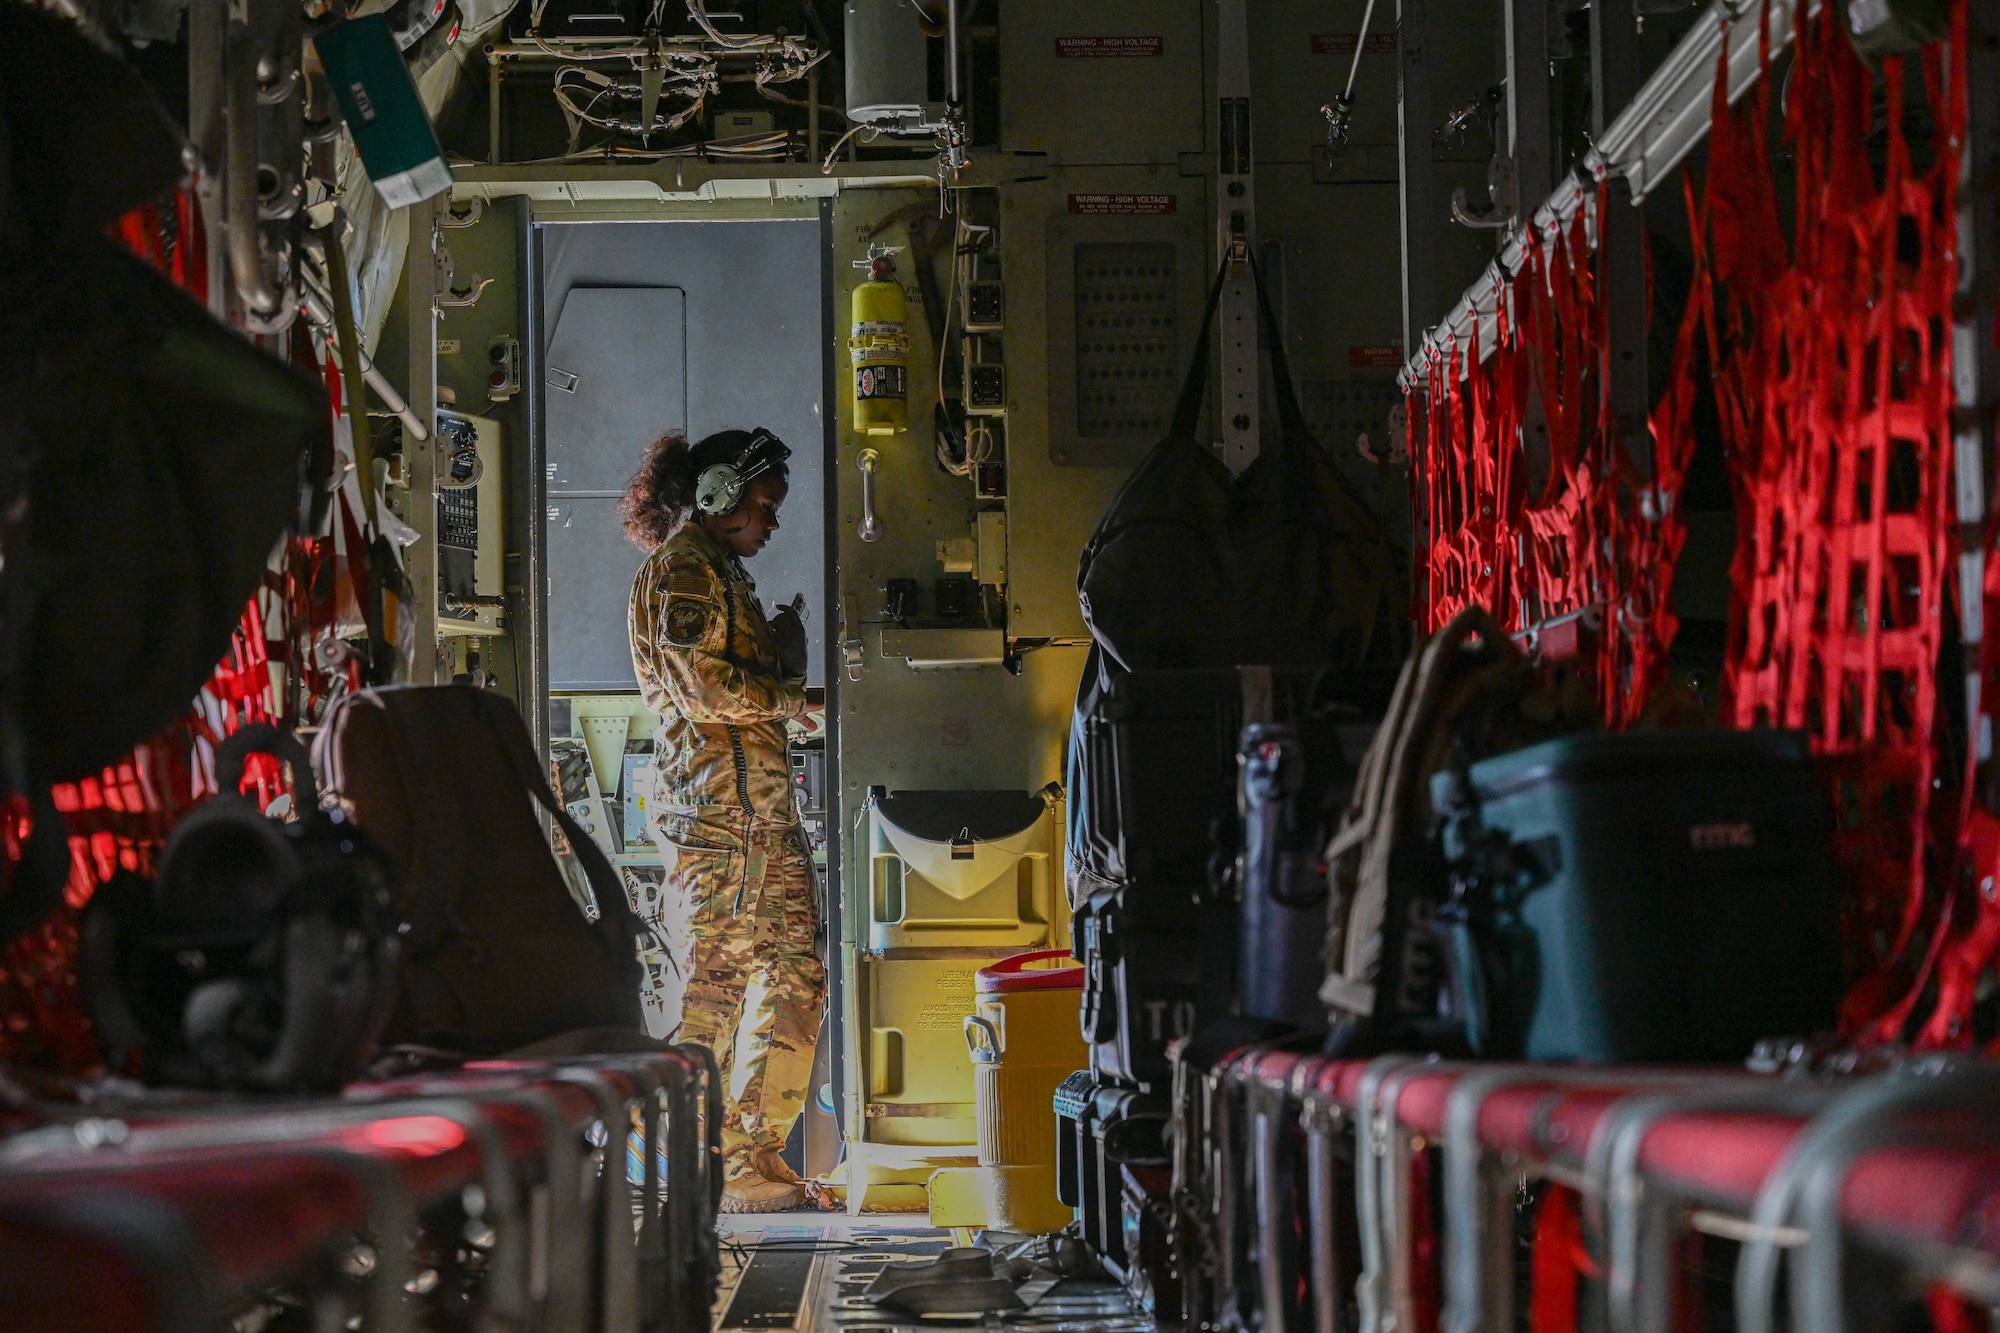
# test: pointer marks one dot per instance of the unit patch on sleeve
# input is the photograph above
(687, 580)
(687, 621)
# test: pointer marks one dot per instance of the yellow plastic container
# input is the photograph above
(1024, 1041)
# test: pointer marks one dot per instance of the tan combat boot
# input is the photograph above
(754, 1194)
(770, 1164)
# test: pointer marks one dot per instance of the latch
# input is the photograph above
(850, 643)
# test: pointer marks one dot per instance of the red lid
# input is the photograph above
(1019, 973)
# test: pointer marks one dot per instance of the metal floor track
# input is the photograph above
(810, 1277)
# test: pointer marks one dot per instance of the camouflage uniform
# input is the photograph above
(740, 911)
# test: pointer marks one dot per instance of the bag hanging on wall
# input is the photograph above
(1283, 565)
(498, 952)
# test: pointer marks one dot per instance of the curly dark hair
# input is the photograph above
(661, 496)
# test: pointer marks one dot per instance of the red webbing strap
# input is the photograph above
(1552, 1273)
(1466, 483)
(1426, 1286)
(1557, 1262)
(1966, 939)
(1832, 381)
(1557, 551)
(1589, 536)
(1953, 1312)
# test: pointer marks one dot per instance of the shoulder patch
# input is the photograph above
(687, 581)
(688, 578)
(686, 621)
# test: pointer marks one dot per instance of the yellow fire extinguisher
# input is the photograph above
(880, 348)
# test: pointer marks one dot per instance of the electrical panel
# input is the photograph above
(503, 357)
(469, 519)
(1110, 82)
(985, 305)
(458, 523)
(809, 789)
(1127, 346)
(986, 387)
(1126, 259)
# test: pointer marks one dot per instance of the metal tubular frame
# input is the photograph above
(1477, 1258)
(1805, 1187)
(1643, 146)
(564, 1254)
(1382, 1191)
(1277, 1274)
(1637, 1216)
(1321, 1118)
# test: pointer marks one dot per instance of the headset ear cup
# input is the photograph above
(333, 968)
(226, 869)
(134, 985)
(102, 932)
(718, 489)
(329, 979)
(228, 1023)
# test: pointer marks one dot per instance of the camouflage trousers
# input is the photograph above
(740, 919)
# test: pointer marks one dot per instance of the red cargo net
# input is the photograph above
(1831, 374)
(1583, 535)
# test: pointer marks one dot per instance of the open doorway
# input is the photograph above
(693, 326)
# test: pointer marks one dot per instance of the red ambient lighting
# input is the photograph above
(412, 1135)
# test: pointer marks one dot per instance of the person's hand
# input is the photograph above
(788, 627)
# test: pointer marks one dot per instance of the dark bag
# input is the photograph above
(149, 456)
(264, 957)
(1465, 693)
(500, 951)
(1159, 944)
(1285, 564)
(175, 453)
(1294, 781)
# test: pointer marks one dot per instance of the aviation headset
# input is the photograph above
(264, 956)
(719, 488)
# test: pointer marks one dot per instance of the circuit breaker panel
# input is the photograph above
(471, 544)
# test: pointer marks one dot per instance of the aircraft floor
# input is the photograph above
(761, 1265)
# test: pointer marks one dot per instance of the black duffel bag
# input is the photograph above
(1284, 565)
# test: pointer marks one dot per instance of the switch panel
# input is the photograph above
(1127, 352)
(984, 306)
(986, 387)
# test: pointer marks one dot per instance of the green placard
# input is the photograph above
(399, 149)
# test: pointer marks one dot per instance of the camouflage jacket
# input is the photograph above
(708, 666)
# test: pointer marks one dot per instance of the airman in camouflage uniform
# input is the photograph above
(740, 910)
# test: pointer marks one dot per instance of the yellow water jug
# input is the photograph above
(1024, 1041)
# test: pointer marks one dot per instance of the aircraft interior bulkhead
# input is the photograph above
(1040, 666)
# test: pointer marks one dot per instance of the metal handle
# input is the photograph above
(871, 526)
(246, 258)
(992, 1038)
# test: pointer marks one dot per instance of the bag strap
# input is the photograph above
(615, 920)
(1187, 409)
(434, 881)
(1290, 418)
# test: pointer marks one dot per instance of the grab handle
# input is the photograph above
(871, 526)
(992, 1039)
